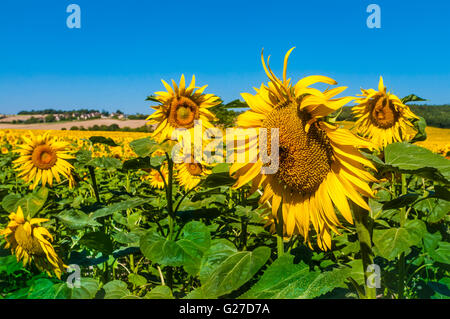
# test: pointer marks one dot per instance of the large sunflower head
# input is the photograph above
(190, 172)
(31, 242)
(381, 116)
(319, 166)
(180, 107)
(43, 158)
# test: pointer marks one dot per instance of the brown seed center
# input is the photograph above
(44, 157)
(28, 242)
(383, 113)
(183, 112)
(194, 168)
(304, 157)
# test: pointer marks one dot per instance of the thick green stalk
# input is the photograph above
(401, 260)
(94, 183)
(280, 243)
(171, 214)
(170, 199)
(243, 233)
(364, 231)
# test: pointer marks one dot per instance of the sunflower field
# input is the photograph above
(348, 212)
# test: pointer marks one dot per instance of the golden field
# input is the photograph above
(438, 140)
(79, 139)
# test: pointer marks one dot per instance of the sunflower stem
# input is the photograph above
(94, 183)
(280, 243)
(170, 199)
(171, 216)
(401, 260)
(364, 232)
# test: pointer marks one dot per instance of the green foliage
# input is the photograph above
(138, 242)
(389, 243)
(286, 280)
(226, 116)
(230, 274)
(187, 251)
(410, 158)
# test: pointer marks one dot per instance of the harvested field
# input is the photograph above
(68, 125)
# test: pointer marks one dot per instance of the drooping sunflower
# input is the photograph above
(43, 158)
(190, 172)
(155, 178)
(180, 107)
(31, 242)
(319, 165)
(381, 116)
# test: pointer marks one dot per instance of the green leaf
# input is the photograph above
(143, 147)
(219, 251)
(33, 202)
(441, 288)
(87, 290)
(132, 237)
(286, 280)
(436, 209)
(76, 219)
(419, 125)
(103, 140)
(118, 207)
(375, 159)
(431, 241)
(137, 163)
(206, 193)
(137, 280)
(411, 98)
(9, 202)
(9, 264)
(157, 161)
(218, 179)
(417, 160)
(441, 192)
(186, 252)
(389, 243)
(159, 292)
(442, 253)
(41, 289)
(105, 162)
(116, 289)
(221, 168)
(83, 156)
(98, 241)
(401, 201)
(232, 273)
(152, 98)
(30, 204)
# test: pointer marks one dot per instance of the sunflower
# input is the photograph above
(43, 158)
(319, 163)
(382, 117)
(31, 242)
(180, 107)
(190, 172)
(155, 178)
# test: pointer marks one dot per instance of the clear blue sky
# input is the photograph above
(124, 48)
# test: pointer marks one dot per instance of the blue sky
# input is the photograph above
(124, 48)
